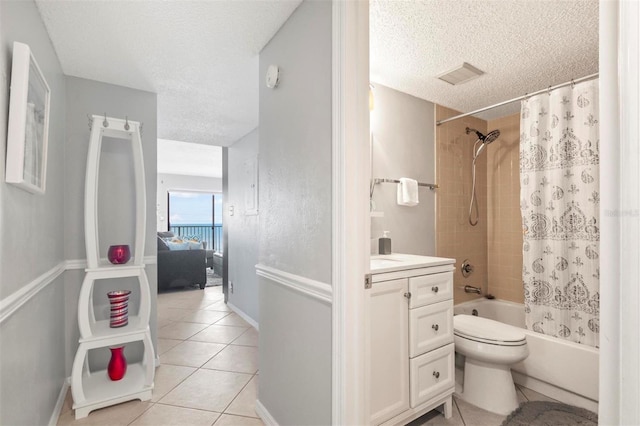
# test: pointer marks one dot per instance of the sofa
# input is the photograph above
(180, 268)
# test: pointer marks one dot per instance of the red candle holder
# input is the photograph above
(119, 254)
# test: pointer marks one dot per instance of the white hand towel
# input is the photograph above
(408, 192)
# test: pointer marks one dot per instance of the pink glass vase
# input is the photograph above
(119, 301)
(119, 254)
(118, 364)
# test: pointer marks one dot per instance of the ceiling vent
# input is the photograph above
(461, 74)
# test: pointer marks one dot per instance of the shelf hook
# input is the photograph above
(105, 123)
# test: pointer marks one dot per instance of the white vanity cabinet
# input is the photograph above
(409, 313)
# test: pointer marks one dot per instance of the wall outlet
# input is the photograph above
(230, 286)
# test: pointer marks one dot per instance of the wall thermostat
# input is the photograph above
(273, 76)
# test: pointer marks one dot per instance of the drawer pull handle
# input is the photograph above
(435, 327)
(434, 289)
(407, 295)
(436, 374)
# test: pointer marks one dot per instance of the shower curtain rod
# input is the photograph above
(519, 98)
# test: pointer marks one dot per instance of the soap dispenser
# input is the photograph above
(384, 243)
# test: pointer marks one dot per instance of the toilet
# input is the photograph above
(489, 348)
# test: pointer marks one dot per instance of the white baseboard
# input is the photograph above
(265, 415)
(55, 415)
(243, 315)
(554, 392)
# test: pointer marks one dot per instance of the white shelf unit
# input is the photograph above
(92, 390)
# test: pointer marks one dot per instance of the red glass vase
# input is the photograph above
(119, 254)
(118, 364)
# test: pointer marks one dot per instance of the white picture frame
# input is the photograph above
(28, 128)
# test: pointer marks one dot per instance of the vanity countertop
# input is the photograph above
(399, 262)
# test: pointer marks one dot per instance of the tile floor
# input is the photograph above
(209, 372)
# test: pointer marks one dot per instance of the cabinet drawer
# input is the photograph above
(430, 327)
(431, 374)
(427, 289)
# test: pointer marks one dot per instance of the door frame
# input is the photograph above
(351, 172)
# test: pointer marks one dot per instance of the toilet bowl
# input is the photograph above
(489, 348)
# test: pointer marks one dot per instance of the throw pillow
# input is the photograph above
(193, 245)
(177, 246)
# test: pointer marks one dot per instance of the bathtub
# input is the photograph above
(560, 369)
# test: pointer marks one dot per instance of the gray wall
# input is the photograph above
(242, 252)
(92, 97)
(295, 146)
(295, 218)
(295, 356)
(403, 145)
(32, 352)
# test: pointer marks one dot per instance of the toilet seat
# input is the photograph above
(487, 331)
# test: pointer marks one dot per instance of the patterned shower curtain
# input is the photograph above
(559, 201)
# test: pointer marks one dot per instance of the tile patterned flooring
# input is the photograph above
(209, 372)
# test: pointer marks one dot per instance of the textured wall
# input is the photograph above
(295, 356)
(456, 238)
(31, 225)
(242, 253)
(295, 217)
(91, 97)
(504, 230)
(32, 351)
(403, 146)
(295, 146)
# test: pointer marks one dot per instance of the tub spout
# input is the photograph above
(472, 289)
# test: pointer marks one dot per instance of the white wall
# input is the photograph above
(170, 182)
(32, 349)
(242, 228)
(403, 145)
(295, 168)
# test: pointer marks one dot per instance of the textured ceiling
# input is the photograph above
(200, 57)
(522, 46)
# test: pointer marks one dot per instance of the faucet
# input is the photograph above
(472, 289)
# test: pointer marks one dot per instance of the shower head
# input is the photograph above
(483, 139)
(490, 137)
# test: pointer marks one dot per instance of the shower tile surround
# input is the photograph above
(504, 232)
(494, 246)
(455, 237)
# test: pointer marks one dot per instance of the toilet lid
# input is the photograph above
(488, 331)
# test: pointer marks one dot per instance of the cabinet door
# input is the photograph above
(433, 288)
(430, 327)
(388, 349)
(432, 374)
